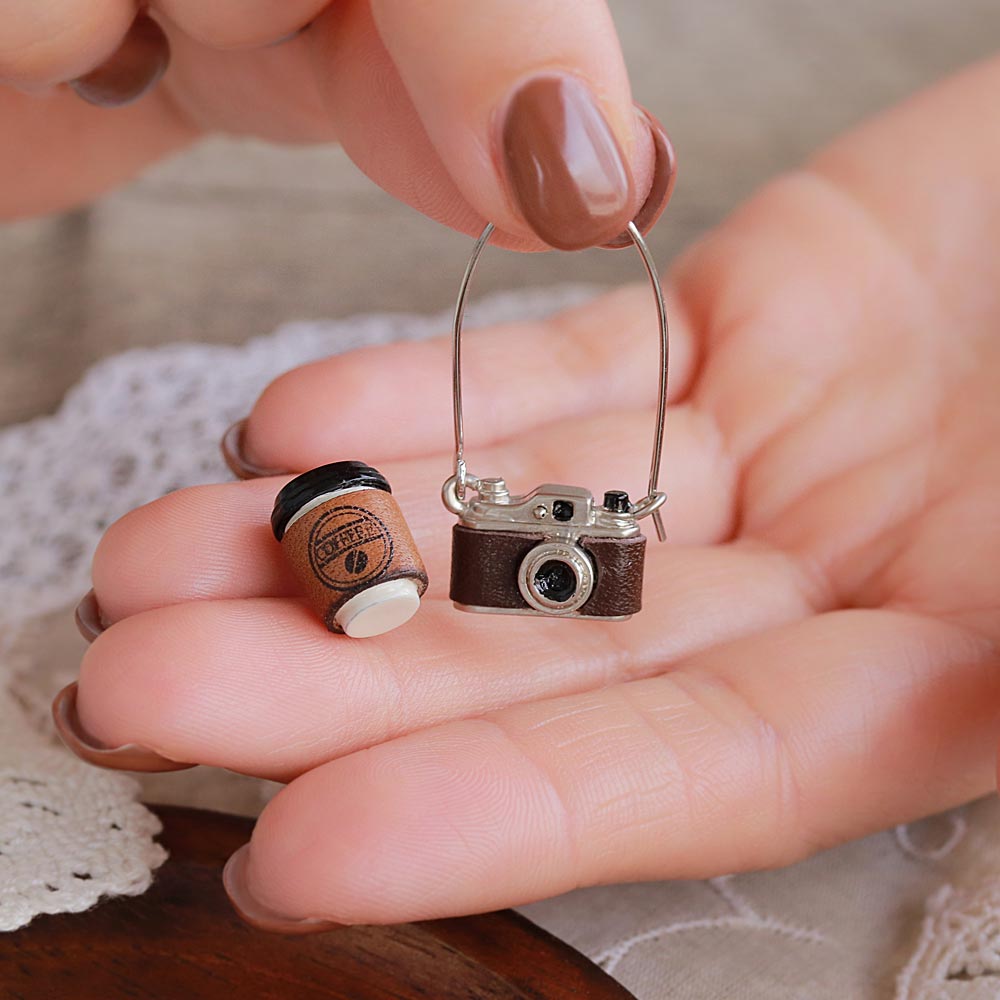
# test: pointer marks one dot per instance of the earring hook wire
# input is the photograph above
(654, 499)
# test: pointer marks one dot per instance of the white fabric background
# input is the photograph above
(912, 913)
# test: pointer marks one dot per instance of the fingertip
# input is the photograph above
(121, 757)
(370, 404)
(642, 157)
(655, 168)
(242, 24)
(445, 821)
(209, 541)
(60, 40)
(239, 456)
(236, 880)
(281, 430)
(131, 71)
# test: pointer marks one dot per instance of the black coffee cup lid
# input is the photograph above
(326, 479)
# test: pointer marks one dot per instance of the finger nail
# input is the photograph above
(564, 167)
(255, 913)
(664, 175)
(89, 619)
(133, 69)
(130, 757)
(232, 444)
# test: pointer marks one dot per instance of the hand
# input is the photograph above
(817, 657)
(455, 108)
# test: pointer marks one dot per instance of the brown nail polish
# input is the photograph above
(664, 175)
(232, 444)
(257, 915)
(564, 167)
(130, 757)
(89, 620)
(132, 69)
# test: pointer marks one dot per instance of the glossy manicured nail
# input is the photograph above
(564, 167)
(88, 617)
(664, 175)
(256, 914)
(232, 445)
(130, 757)
(132, 69)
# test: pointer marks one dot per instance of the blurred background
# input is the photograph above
(232, 238)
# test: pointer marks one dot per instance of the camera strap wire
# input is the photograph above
(653, 501)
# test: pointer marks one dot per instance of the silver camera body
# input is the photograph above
(553, 552)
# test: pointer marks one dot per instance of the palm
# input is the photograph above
(816, 657)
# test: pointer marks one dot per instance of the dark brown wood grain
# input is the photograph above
(182, 941)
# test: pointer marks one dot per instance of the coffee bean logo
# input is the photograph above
(355, 561)
(349, 547)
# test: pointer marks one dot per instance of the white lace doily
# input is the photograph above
(958, 955)
(147, 422)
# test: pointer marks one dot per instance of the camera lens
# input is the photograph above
(556, 578)
(555, 581)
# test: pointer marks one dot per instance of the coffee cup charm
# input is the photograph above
(350, 548)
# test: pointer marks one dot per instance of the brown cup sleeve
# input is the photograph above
(348, 544)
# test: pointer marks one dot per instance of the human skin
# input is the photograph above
(818, 654)
(416, 94)
(817, 657)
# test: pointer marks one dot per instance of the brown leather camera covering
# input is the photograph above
(484, 567)
(348, 544)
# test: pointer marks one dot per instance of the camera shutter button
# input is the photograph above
(617, 501)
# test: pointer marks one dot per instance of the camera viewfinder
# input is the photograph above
(562, 510)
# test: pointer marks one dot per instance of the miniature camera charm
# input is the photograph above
(554, 551)
(350, 549)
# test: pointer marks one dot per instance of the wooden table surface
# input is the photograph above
(229, 240)
(181, 940)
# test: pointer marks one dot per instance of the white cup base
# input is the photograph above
(379, 609)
